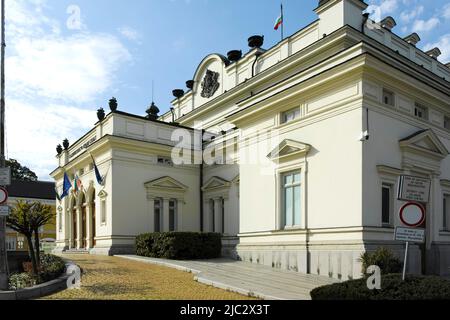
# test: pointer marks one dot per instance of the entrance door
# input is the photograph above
(83, 228)
(94, 226)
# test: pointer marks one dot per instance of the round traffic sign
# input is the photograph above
(3, 196)
(412, 214)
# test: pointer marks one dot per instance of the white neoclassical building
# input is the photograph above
(317, 131)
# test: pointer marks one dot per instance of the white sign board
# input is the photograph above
(4, 211)
(5, 176)
(410, 235)
(414, 189)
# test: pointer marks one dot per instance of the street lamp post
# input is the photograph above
(3, 258)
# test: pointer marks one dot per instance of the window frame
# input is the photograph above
(420, 107)
(173, 215)
(390, 94)
(445, 211)
(158, 203)
(295, 112)
(285, 186)
(103, 213)
(391, 188)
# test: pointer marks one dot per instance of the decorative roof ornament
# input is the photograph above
(210, 84)
(413, 38)
(388, 23)
(59, 149)
(113, 104)
(152, 112)
(434, 53)
(66, 144)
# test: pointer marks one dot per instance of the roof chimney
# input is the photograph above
(334, 14)
(434, 53)
(388, 23)
(413, 38)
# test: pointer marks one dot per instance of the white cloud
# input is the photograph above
(130, 33)
(446, 13)
(407, 16)
(34, 130)
(444, 45)
(49, 75)
(71, 69)
(425, 25)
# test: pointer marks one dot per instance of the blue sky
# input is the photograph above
(60, 70)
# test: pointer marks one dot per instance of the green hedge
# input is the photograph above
(392, 288)
(179, 245)
(51, 267)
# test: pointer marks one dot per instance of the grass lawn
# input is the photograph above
(111, 278)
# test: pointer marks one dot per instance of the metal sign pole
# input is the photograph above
(405, 261)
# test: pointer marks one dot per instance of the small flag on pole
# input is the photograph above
(66, 186)
(279, 23)
(98, 176)
(58, 197)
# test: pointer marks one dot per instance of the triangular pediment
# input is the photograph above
(289, 148)
(215, 183)
(425, 141)
(166, 183)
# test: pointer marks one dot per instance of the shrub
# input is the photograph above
(21, 281)
(392, 288)
(179, 245)
(383, 258)
(51, 267)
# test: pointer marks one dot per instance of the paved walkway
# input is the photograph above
(245, 278)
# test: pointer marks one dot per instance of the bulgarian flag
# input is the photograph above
(278, 22)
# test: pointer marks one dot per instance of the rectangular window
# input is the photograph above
(446, 212)
(172, 215)
(223, 215)
(165, 161)
(157, 211)
(290, 115)
(447, 123)
(212, 215)
(60, 221)
(103, 212)
(421, 111)
(11, 244)
(386, 206)
(388, 97)
(292, 199)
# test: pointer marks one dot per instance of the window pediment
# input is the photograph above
(166, 183)
(425, 143)
(289, 148)
(215, 183)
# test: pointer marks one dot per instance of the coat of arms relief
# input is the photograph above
(210, 84)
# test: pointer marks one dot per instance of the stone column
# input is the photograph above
(69, 227)
(151, 210)
(165, 222)
(179, 215)
(89, 239)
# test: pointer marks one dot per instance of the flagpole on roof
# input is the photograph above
(282, 24)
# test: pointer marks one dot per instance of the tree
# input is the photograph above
(26, 218)
(19, 172)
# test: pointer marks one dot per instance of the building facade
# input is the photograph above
(31, 191)
(303, 145)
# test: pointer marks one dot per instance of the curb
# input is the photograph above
(39, 291)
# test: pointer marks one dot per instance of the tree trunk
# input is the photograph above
(32, 255)
(37, 248)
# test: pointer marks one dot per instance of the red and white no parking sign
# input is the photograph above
(412, 214)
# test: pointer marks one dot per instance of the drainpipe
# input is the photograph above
(201, 184)
(257, 55)
(172, 110)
